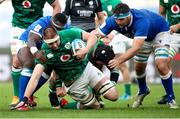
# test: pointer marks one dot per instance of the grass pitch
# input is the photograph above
(118, 109)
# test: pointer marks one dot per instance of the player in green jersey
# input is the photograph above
(25, 13)
(73, 69)
(170, 10)
(109, 5)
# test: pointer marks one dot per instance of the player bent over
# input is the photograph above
(74, 70)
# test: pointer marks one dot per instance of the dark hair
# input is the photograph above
(59, 17)
(121, 8)
(49, 32)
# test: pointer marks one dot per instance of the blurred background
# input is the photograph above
(6, 11)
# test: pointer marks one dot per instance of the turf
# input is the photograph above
(119, 109)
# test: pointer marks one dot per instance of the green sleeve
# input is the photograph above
(50, 1)
(58, 83)
(161, 2)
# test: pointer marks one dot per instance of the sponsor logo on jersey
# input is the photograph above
(68, 45)
(166, 1)
(65, 58)
(85, 13)
(26, 4)
(109, 8)
(175, 9)
(77, 4)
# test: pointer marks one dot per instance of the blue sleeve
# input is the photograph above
(141, 28)
(106, 27)
(38, 26)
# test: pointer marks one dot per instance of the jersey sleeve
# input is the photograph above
(141, 29)
(67, 7)
(161, 2)
(105, 28)
(99, 7)
(38, 26)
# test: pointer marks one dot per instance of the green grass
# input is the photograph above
(119, 109)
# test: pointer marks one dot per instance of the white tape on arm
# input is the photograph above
(33, 50)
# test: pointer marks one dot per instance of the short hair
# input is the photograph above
(59, 17)
(121, 8)
(49, 33)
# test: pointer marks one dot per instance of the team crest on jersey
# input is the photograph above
(26, 4)
(166, 1)
(91, 4)
(175, 9)
(65, 58)
(68, 45)
(109, 8)
(50, 55)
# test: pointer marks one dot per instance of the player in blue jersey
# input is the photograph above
(33, 38)
(150, 33)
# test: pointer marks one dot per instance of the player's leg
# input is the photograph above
(16, 67)
(164, 69)
(127, 81)
(172, 52)
(27, 60)
(140, 61)
(94, 78)
(120, 44)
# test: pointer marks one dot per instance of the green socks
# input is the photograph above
(15, 78)
(127, 88)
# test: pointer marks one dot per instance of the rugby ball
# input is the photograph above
(77, 44)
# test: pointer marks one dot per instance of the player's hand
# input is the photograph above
(173, 29)
(81, 53)
(114, 63)
(40, 56)
(21, 104)
(60, 91)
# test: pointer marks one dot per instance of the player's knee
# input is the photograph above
(112, 94)
(108, 90)
(162, 65)
(87, 99)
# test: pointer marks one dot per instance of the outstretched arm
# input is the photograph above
(1, 1)
(37, 72)
(137, 44)
(56, 7)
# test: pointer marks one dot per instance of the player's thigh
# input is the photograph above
(25, 57)
(15, 43)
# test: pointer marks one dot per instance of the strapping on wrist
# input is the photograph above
(33, 50)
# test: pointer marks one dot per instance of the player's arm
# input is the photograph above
(33, 38)
(137, 44)
(32, 84)
(174, 28)
(37, 72)
(56, 7)
(101, 18)
(162, 10)
(91, 41)
(1, 1)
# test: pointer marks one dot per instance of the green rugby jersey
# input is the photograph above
(62, 59)
(27, 11)
(172, 8)
(109, 5)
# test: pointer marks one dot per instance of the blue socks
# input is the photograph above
(23, 81)
(142, 84)
(168, 85)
